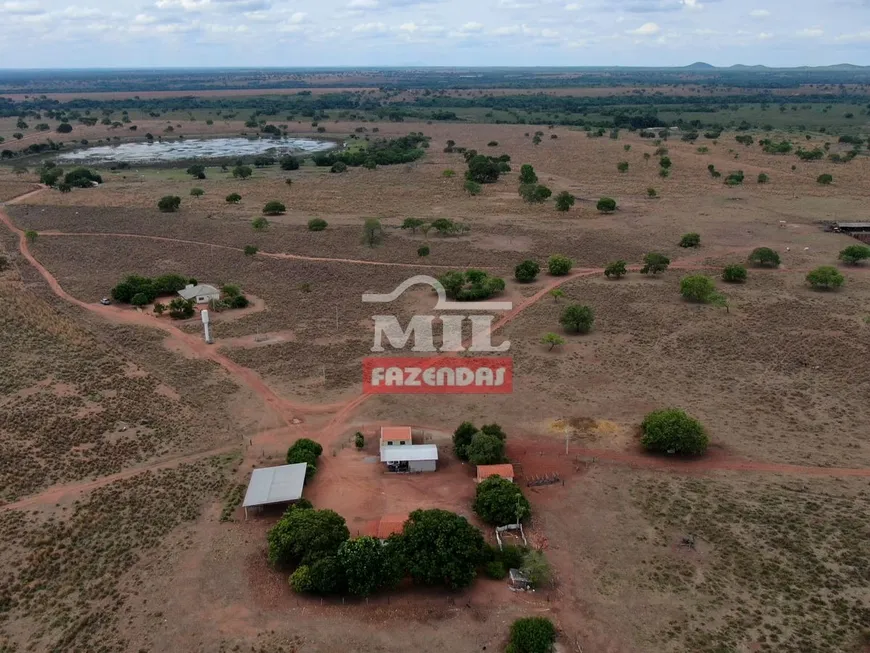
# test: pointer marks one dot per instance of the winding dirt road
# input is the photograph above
(292, 412)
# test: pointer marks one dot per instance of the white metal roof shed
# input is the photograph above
(275, 485)
(403, 453)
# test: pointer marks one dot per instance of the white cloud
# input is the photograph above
(759, 13)
(369, 28)
(764, 36)
(409, 27)
(186, 5)
(859, 37)
(516, 4)
(471, 28)
(362, 4)
(574, 6)
(144, 19)
(21, 8)
(810, 33)
(692, 4)
(647, 29)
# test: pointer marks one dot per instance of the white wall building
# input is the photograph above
(201, 294)
(410, 457)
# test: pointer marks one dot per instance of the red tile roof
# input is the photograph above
(390, 524)
(485, 471)
(395, 433)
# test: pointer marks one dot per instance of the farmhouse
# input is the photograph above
(270, 485)
(395, 435)
(201, 293)
(410, 457)
(485, 471)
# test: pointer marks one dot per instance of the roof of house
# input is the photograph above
(275, 485)
(190, 291)
(395, 433)
(390, 524)
(853, 225)
(407, 452)
(485, 471)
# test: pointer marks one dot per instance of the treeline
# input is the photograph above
(384, 152)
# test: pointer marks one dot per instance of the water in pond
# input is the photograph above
(192, 148)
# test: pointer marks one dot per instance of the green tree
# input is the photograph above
(373, 233)
(734, 273)
(825, 180)
(498, 501)
(485, 449)
(63, 187)
(197, 192)
(697, 288)
(665, 162)
(564, 201)
(763, 178)
(622, 166)
(169, 203)
(553, 340)
(317, 224)
(159, 309)
(274, 208)
(653, 263)
(305, 536)
(462, 439)
(537, 568)
(854, 254)
(532, 635)
(233, 198)
(181, 309)
(690, 240)
(242, 172)
(559, 265)
(260, 223)
(50, 176)
(140, 299)
(617, 270)
(368, 565)
(231, 290)
(359, 440)
(197, 171)
(764, 257)
(606, 205)
(413, 224)
(441, 548)
(577, 318)
(651, 193)
(526, 271)
(557, 294)
(483, 170)
(472, 187)
(327, 576)
(423, 250)
(527, 174)
(825, 277)
(289, 162)
(338, 167)
(672, 431)
(250, 250)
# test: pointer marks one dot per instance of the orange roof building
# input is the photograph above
(485, 471)
(389, 525)
(392, 436)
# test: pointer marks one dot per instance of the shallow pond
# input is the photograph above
(192, 148)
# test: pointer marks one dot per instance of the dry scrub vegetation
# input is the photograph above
(68, 576)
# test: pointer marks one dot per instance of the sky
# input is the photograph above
(206, 33)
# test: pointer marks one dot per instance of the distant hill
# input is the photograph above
(700, 65)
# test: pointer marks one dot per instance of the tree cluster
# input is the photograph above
(134, 285)
(384, 152)
(672, 431)
(498, 501)
(305, 451)
(471, 285)
(484, 446)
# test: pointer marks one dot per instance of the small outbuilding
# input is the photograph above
(201, 293)
(392, 436)
(410, 457)
(270, 485)
(485, 471)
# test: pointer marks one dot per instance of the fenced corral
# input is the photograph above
(544, 479)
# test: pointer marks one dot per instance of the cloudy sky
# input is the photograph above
(136, 33)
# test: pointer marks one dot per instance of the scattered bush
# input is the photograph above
(577, 318)
(233, 198)
(606, 205)
(764, 257)
(483, 169)
(690, 240)
(526, 271)
(527, 174)
(532, 635)
(289, 162)
(250, 250)
(552, 340)
(854, 254)
(653, 263)
(697, 288)
(197, 192)
(274, 208)
(734, 273)
(672, 431)
(181, 309)
(617, 270)
(338, 167)
(564, 201)
(82, 178)
(559, 265)
(825, 180)
(447, 174)
(359, 440)
(763, 178)
(169, 203)
(242, 172)
(622, 166)
(413, 224)
(423, 250)
(534, 193)
(472, 187)
(651, 193)
(825, 277)
(317, 224)
(260, 224)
